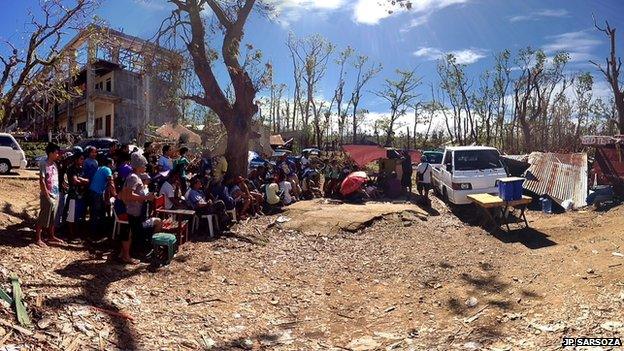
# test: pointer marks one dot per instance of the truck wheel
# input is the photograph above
(436, 190)
(5, 166)
(445, 197)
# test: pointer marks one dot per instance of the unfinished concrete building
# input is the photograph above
(126, 83)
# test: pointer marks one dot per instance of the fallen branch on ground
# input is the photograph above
(16, 328)
(204, 301)
(476, 315)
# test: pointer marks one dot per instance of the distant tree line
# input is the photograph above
(526, 101)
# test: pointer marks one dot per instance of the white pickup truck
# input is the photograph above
(11, 154)
(467, 170)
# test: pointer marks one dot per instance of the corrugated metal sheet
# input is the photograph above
(519, 158)
(560, 180)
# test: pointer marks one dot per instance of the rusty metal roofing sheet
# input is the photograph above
(519, 158)
(560, 180)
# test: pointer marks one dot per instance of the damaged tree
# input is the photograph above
(32, 73)
(399, 94)
(187, 22)
(363, 76)
(612, 73)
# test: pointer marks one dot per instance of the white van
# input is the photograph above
(468, 170)
(11, 154)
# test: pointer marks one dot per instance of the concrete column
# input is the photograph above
(146, 101)
(90, 103)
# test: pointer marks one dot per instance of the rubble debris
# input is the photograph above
(363, 344)
(612, 326)
(472, 301)
(549, 328)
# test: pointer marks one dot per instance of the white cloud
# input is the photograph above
(580, 45)
(464, 56)
(540, 14)
(415, 22)
(288, 11)
(151, 5)
(364, 11)
(373, 11)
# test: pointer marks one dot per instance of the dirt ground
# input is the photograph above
(401, 279)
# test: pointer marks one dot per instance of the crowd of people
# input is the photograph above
(83, 190)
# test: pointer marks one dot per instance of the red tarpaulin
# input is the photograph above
(365, 154)
(609, 167)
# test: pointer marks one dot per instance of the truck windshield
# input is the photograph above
(469, 160)
(434, 157)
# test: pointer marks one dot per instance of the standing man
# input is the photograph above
(75, 194)
(406, 177)
(424, 178)
(99, 183)
(180, 166)
(90, 164)
(49, 196)
(133, 196)
(165, 163)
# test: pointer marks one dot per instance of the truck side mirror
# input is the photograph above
(449, 168)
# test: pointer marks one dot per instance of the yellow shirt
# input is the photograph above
(221, 168)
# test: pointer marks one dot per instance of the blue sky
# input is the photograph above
(473, 29)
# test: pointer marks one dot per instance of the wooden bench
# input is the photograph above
(497, 211)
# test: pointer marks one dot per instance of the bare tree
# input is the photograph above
(583, 93)
(297, 74)
(187, 23)
(312, 54)
(38, 71)
(363, 77)
(338, 96)
(611, 71)
(399, 94)
(483, 102)
(501, 82)
(450, 85)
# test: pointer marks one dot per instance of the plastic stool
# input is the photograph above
(161, 240)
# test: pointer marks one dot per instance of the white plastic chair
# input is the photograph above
(212, 220)
(118, 222)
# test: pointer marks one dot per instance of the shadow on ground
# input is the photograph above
(529, 237)
(96, 277)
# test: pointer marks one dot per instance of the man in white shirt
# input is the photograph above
(168, 190)
(286, 188)
(424, 177)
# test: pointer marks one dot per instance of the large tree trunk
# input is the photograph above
(526, 135)
(236, 153)
(355, 105)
